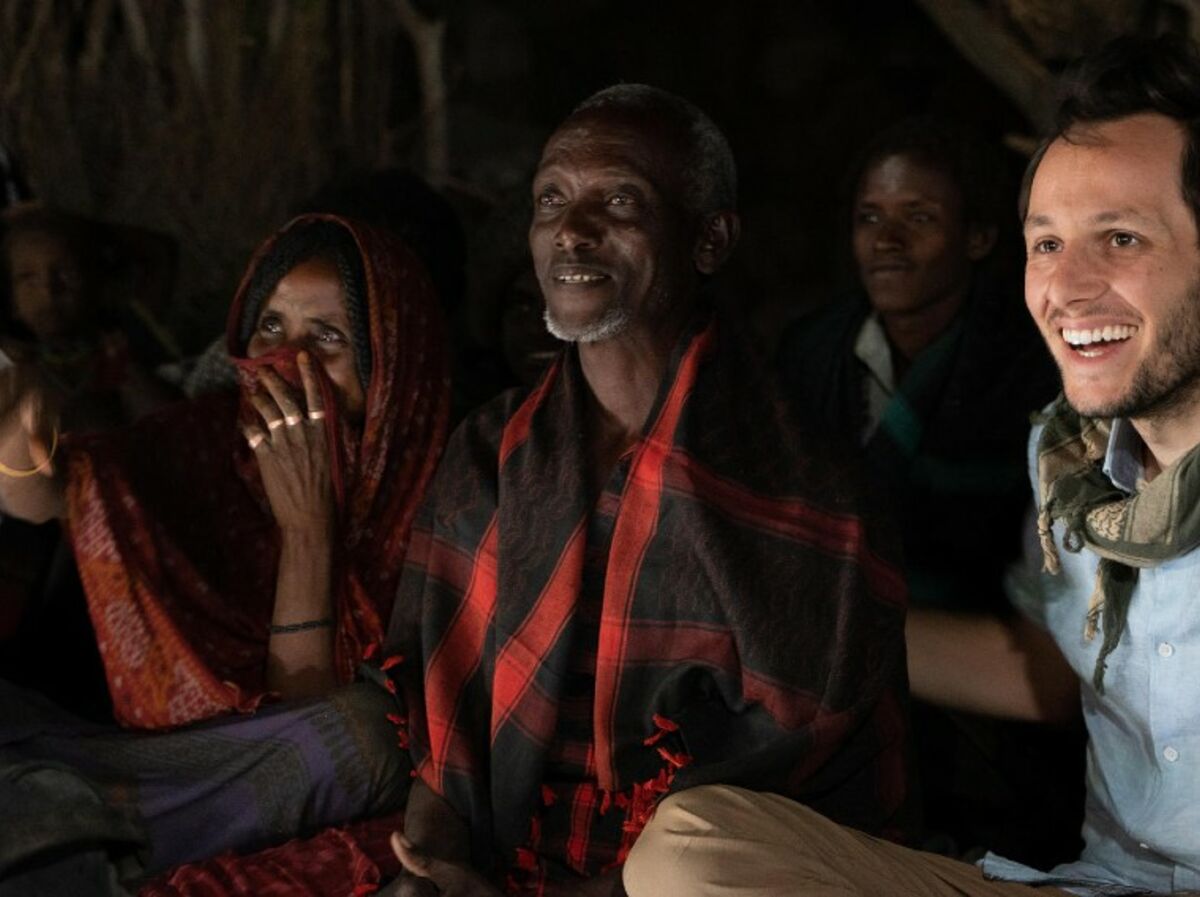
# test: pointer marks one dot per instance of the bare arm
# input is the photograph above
(987, 665)
(293, 459)
(28, 437)
(300, 661)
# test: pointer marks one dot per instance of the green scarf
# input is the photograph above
(1158, 522)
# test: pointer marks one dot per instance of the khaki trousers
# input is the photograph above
(719, 841)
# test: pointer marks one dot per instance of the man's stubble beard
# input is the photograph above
(612, 321)
(1168, 383)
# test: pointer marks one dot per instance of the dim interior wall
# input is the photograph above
(122, 123)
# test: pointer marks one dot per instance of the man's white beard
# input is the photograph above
(614, 320)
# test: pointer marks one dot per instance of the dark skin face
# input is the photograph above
(618, 257)
(913, 247)
(610, 239)
(609, 232)
(47, 285)
(308, 310)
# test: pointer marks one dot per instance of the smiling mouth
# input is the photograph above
(1091, 343)
(892, 267)
(579, 278)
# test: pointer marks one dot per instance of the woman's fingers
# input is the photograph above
(256, 437)
(312, 390)
(285, 399)
(293, 460)
(268, 409)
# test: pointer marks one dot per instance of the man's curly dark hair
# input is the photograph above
(1128, 76)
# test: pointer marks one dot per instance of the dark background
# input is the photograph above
(210, 122)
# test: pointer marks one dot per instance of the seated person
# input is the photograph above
(1112, 228)
(142, 803)
(591, 613)
(69, 310)
(931, 364)
(391, 200)
(76, 307)
(249, 544)
(933, 367)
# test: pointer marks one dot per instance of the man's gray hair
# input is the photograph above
(709, 170)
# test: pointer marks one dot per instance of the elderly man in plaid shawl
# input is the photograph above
(639, 577)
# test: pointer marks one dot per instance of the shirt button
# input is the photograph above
(1166, 649)
(1170, 754)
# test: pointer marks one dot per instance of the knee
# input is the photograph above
(656, 858)
(685, 843)
(379, 767)
(718, 833)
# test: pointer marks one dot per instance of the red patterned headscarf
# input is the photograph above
(176, 543)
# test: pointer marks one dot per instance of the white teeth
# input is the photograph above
(578, 278)
(1098, 335)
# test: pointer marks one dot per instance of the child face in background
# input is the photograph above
(47, 285)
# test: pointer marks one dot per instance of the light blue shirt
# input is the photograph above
(1142, 820)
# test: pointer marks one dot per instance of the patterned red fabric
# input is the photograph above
(176, 544)
(751, 627)
(343, 862)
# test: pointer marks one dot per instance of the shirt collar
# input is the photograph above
(872, 349)
(1123, 459)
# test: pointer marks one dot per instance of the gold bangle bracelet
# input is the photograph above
(18, 474)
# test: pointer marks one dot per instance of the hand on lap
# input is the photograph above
(425, 876)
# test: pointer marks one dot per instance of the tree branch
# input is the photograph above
(196, 42)
(139, 40)
(277, 25)
(1003, 61)
(139, 36)
(428, 38)
(41, 18)
(346, 56)
(97, 32)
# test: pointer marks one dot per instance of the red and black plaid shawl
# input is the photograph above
(744, 604)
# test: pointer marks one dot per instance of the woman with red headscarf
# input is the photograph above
(233, 548)
(249, 544)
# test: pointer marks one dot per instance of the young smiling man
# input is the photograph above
(1113, 281)
(591, 614)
